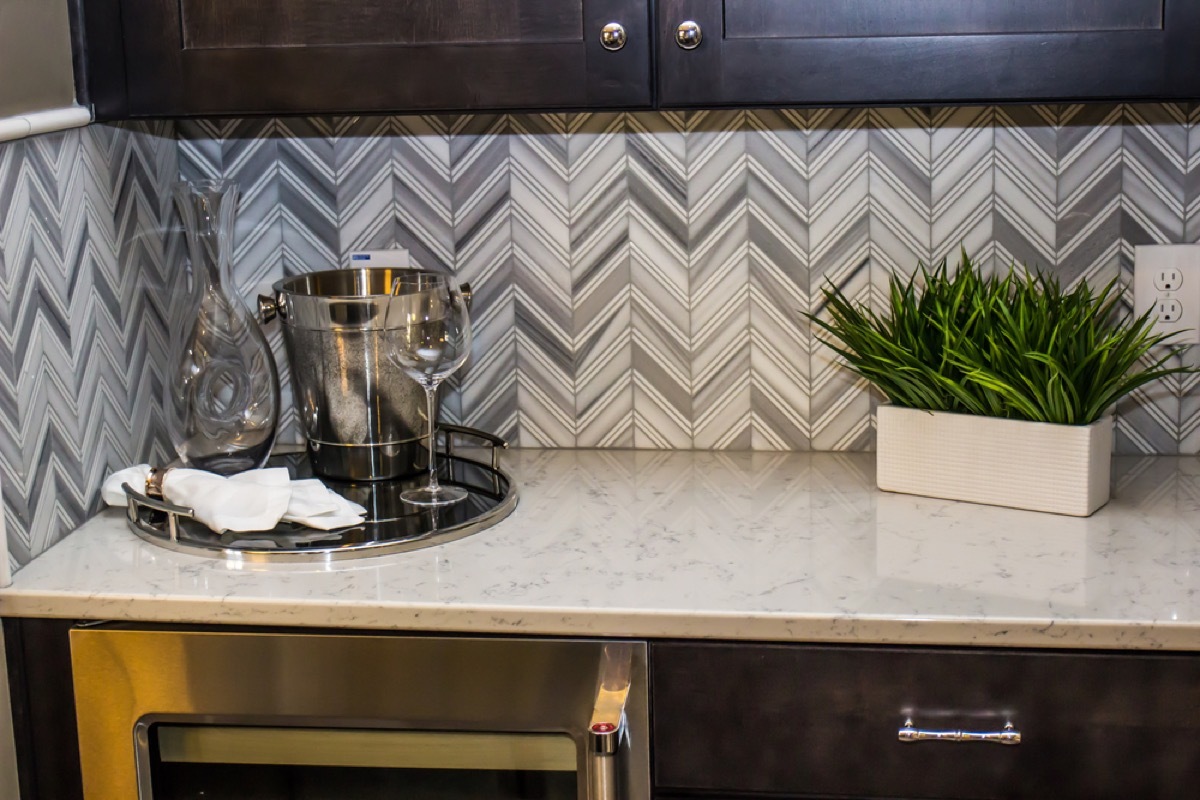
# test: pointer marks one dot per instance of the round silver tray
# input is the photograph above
(391, 525)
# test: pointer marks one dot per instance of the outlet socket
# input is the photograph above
(1169, 310)
(1169, 279)
(1166, 282)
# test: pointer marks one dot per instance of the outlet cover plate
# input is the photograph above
(1150, 263)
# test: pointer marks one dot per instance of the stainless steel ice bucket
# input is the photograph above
(363, 417)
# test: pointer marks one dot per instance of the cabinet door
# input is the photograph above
(765, 52)
(826, 722)
(180, 57)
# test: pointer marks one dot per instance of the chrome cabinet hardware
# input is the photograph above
(612, 36)
(688, 35)
(1009, 735)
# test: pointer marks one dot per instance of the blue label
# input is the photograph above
(360, 257)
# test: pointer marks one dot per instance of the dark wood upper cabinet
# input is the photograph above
(167, 58)
(199, 57)
(819, 52)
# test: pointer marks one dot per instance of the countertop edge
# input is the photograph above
(1159, 635)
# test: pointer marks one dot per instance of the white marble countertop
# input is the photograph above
(787, 547)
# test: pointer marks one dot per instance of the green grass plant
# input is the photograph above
(1016, 345)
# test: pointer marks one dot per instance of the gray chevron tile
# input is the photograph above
(901, 193)
(839, 249)
(82, 266)
(364, 192)
(541, 242)
(1091, 228)
(1026, 200)
(1189, 390)
(777, 231)
(1153, 189)
(1154, 173)
(421, 174)
(1089, 193)
(601, 278)
(718, 225)
(248, 153)
(1192, 182)
(963, 180)
(483, 256)
(308, 194)
(656, 168)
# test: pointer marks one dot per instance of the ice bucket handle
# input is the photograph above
(270, 307)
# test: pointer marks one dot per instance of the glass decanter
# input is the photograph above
(222, 391)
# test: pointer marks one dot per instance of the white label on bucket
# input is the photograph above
(392, 259)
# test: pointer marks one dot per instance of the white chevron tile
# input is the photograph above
(839, 255)
(601, 279)
(718, 234)
(963, 188)
(541, 261)
(656, 159)
(779, 271)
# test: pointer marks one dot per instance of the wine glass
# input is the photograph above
(429, 337)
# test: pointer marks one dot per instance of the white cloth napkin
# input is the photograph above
(255, 500)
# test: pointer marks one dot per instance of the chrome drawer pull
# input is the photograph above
(1009, 735)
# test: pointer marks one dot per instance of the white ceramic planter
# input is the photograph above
(1063, 469)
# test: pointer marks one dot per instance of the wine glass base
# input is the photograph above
(444, 496)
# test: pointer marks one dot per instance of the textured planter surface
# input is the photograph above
(1063, 469)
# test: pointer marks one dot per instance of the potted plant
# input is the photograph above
(1000, 389)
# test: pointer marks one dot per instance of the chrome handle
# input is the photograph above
(136, 501)
(608, 720)
(688, 35)
(271, 307)
(1009, 735)
(268, 309)
(612, 36)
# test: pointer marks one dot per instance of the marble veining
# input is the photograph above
(728, 545)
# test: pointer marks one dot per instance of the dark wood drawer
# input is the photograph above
(815, 721)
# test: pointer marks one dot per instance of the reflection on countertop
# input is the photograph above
(766, 546)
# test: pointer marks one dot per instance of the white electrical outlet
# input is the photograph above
(1166, 281)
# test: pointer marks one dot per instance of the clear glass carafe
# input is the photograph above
(222, 392)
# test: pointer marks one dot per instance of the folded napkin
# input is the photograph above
(254, 500)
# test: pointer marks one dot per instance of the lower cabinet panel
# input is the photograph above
(814, 721)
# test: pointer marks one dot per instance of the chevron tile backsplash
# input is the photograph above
(83, 265)
(639, 278)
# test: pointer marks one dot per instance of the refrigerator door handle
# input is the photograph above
(608, 720)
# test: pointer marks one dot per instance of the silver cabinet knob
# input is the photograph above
(612, 36)
(688, 35)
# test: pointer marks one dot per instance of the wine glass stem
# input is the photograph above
(431, 408)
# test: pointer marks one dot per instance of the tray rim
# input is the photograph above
(269, 555)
